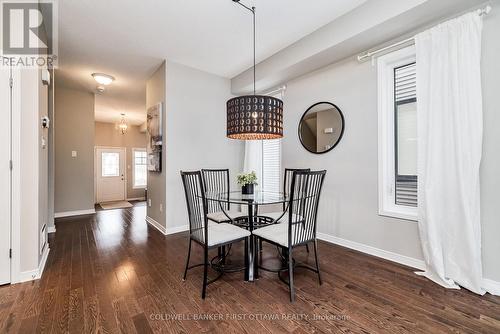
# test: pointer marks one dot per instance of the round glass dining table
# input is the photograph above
(253, 201)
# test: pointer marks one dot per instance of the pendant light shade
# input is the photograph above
(254, 117)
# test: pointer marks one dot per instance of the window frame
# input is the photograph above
(133, 167)
(387, 134)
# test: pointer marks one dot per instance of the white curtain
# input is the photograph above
(253, 158)
(450, 131)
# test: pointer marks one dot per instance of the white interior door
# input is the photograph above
(5, 175)
(110, 174)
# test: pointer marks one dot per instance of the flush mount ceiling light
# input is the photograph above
(103, 79)
(254, 117)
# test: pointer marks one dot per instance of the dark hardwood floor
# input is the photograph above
(111, 272)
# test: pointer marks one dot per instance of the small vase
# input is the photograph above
(247, 189)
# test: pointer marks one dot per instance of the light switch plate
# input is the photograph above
(73, 154)
(46, 77)
(328, 130)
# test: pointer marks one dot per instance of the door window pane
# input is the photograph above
(110, 164)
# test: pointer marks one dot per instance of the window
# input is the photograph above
(110, 162)
(264, 157)
(397, 117)
(271, 161)
(140, 157)
(271, 165)
(405, 107)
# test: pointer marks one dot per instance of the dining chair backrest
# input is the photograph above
(196, 205)
(303, 210)
(287, 181)
(216, 181)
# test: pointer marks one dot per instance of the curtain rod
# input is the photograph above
(279, 89)
(411, 40)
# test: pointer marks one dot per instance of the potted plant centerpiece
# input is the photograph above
(247, 182)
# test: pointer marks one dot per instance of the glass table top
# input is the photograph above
(257, 198)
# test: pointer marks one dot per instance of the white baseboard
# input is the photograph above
(31, 275)
(177, 229)
(156, 225)
(491, 286)
(394, 257)
(51, 229)
(136, 199)
(74, 213)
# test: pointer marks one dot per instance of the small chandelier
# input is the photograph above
(123, 126)
(254, 117)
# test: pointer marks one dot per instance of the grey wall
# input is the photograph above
(155, 93)
(194, 136)
(196, 133)
(349, 207)
(107, 135)
(74, 131)
(490, 166)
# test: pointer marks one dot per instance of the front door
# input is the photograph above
(5, 174)
(110, 174)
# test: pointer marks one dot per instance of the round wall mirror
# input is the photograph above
(321, 127)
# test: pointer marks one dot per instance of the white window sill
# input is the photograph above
(399, 212)
(139, 187)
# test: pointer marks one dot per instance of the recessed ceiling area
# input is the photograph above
(130, 39)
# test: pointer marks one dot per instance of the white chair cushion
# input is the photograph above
(219, 216)
(224, 233)
(277, 233)
(273, 215)
(284, 219)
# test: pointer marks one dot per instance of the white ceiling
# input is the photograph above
(129, 39)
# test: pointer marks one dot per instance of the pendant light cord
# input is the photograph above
(252, 9)
(254, 78)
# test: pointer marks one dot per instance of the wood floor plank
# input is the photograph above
(76, 315)
(113, 273)
(141, 324)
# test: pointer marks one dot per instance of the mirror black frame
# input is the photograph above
(341, 132)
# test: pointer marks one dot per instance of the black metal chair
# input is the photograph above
(217, 181)
(300, 227)
(287, 184)
(279, 216)
(207, 234)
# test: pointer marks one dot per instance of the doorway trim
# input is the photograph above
(125, 168)
(15, 231)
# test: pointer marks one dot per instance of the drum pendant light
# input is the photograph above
(254, 117)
